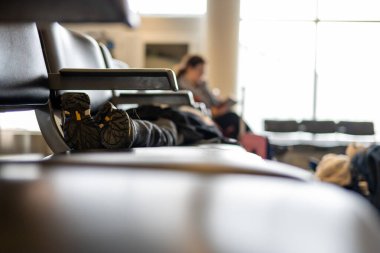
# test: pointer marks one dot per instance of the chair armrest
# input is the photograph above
(113, 79)
(161, 97)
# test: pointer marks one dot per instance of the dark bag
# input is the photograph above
(367, 166)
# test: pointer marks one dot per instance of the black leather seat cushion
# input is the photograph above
(67, 207)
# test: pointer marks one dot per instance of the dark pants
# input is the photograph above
(170, 126)
(161, 132)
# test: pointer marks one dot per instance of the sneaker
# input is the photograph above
(80, 131)
(116, 127)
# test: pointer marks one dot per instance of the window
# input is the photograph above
(348, 75)
(304, 59)
(169, 7)
(276, 61)
(22, 120)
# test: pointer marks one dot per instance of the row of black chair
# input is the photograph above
(320, 127)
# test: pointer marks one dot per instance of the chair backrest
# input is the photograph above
(67, 49)
(356, 128)
(23, 77)
(281, 126)
(317, 126)
(108, 59)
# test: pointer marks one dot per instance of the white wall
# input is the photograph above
(130, 44)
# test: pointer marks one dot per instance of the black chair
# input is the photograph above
(76, 62)
(280, 126)
(317, 126)
(356, 128)
(68, 49)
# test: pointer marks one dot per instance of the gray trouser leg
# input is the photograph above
(162, 132)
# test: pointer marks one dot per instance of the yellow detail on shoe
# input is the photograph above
(77, 114)
(107, 118)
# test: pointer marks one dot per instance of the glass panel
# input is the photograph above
(348, 66)
(23, 120)
(349, 9)
(169, 7)
(278, 9)
(276, 67)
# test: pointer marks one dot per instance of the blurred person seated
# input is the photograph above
(357, 170)
(190, 76)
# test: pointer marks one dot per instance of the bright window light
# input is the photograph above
(348, 70)
(169, 7)
(278, 9)
(276, 70)
(23, 120)
(354, 10)
(289, 48)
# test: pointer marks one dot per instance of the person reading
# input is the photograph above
(190, 76)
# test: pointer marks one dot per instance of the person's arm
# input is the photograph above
(217, 106)
(222, 108)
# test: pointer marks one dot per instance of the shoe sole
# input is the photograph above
(75, 102)
(117, 131)
(80, 132)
